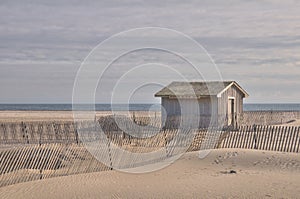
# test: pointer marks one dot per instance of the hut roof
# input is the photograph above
(198, 89)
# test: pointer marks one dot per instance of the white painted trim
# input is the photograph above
(233, 83)
(231, 98)
(241, 89)
(220, 93)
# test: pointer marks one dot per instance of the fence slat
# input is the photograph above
(279, 134)
(296, 139)
(287, 136)
(291, 138)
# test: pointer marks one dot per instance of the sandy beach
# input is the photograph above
(97, 97)
(18, 116)
(259, 174)
(293, 123)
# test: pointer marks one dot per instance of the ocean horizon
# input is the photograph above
(138, 107)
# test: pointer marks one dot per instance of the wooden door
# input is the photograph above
(230, 112)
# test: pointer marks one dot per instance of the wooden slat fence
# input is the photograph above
(39, 150)
(271, 138)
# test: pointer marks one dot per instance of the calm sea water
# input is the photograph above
(272, 107)
(135, 107)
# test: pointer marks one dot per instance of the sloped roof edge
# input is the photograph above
(237, 85)
(201, 88)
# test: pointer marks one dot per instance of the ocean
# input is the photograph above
(271, 107)
(136, 107)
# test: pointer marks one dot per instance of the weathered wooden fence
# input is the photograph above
(39, 150)
(37, 133)
(273, 138)
(31, 162)
(267, 117)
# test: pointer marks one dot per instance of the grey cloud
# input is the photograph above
(43, 42)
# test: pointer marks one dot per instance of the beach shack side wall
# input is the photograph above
(207, 109)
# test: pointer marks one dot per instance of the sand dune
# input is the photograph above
(258, 174)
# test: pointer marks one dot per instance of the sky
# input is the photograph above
(43, 43)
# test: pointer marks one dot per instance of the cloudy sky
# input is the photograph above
(42, 43)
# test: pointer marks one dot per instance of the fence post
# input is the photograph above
(166, 141)
(255, 136)
(24, 131)
(109, 149)
(4, 128)
(76, 133)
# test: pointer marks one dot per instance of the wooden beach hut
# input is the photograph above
(219, 102)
